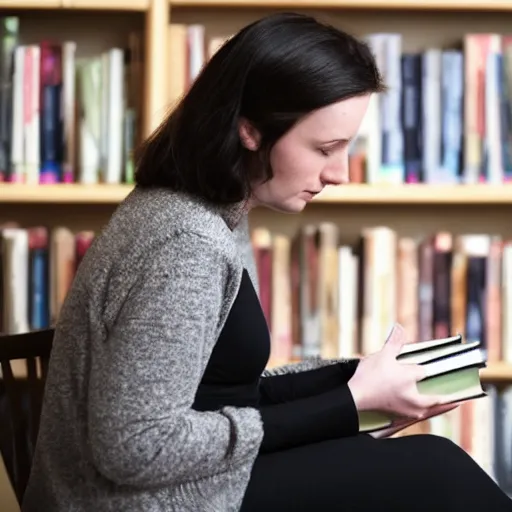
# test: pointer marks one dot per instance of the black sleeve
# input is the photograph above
(278, 389)
(308, 420)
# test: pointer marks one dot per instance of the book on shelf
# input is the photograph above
(337, 293)
(68, 118)
(451, 370)
(37, 267)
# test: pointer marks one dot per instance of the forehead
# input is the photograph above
(339, 120)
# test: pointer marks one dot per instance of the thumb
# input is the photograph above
(396, 339)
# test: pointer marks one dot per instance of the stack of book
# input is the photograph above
(452, 371)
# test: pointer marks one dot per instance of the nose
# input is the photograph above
(337, 172)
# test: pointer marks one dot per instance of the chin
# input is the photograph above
(292, 206)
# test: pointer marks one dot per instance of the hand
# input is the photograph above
(381, 383)
(404, 423)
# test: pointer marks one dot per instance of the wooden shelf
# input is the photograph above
(62, 194)
(118, 5)
(433, 5)
(497, 372)
(114, 5)
(139, 5)
(417, 194)
(30, 4)
(407, 195)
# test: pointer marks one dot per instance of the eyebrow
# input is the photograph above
(335, 141)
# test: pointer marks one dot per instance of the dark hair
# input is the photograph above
(272, 73)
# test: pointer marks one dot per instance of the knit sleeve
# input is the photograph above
(142, 429)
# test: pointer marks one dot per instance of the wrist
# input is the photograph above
(358, 394)
(349, 367)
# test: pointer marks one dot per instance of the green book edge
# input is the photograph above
(445, 384)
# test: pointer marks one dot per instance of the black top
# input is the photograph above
(239, 356)
(296, 408)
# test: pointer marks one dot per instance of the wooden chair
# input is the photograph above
(21, 400)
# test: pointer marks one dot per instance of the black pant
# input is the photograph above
(362, 474)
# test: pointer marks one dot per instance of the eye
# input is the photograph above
(325, 152)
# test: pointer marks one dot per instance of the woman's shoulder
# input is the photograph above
(152, 217)
(154, 236)
(156, 211)
(158, 226)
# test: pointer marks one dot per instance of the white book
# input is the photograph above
(458, 361)
(16, 279)
(492, 102)
(196, 45)
(347, 305)
(371, 127)
(114, 169)
(431, 115)
(455, 377)
(17, 144)
(90, 122)
(68, 108)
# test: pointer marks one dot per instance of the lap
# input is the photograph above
(422, 472)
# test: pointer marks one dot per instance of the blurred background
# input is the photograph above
(422, 235)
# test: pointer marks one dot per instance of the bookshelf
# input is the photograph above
(417, 194)
(497, 373)
(114, 5)
(448, 5)
(391, 195)
(406, 208)
(63, 194)
(362, 194)
(30, 4)
(117, 5)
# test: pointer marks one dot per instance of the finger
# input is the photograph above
(396, 339)
(416, 413)
(445, 407)
(396, 330)
(439, 409)
(415, 372)
(419, 372)
(442, 408)
(430, 401)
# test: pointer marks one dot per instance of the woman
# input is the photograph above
(156, 398)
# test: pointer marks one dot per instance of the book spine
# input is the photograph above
(411, 116)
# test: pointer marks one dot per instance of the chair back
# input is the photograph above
(24, 363)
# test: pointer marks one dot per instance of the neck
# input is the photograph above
(233, 213)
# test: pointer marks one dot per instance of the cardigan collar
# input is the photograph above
(234, 212)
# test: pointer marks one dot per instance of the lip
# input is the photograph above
(309, 195)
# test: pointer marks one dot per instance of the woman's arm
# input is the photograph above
(286, 387)
(312, 363)
(142, 430)
(316, 418)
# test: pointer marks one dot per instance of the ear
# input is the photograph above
(249, 135)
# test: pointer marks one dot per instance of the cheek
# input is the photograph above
(294, 164)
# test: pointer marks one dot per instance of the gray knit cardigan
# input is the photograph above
(134, 336)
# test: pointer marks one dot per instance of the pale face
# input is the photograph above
(313, 154)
